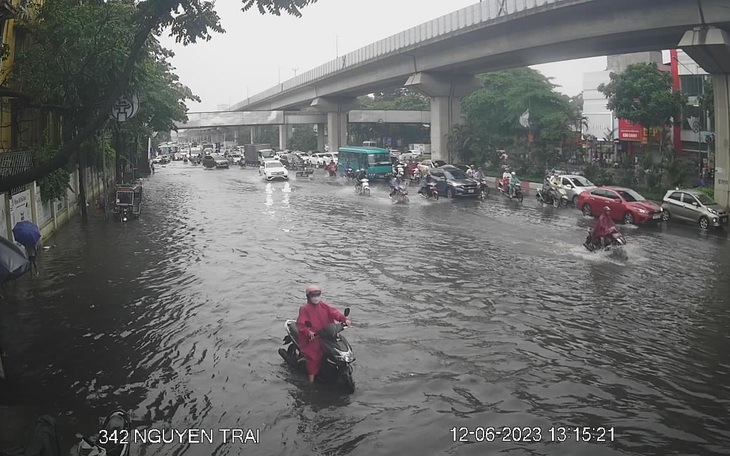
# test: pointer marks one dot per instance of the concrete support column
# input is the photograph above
(320, 137)
(336, 109)
(284, 136)
(253, 134)
(721, 85)
(336, 130)
(445, 92)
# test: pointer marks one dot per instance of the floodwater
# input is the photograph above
(466, 314)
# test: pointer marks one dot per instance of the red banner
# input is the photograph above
(630, 131)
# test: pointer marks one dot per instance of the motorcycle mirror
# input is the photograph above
(308, 324)
(347, 311)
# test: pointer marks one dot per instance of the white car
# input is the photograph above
(574, 185)
(235, 158)
(273, 169)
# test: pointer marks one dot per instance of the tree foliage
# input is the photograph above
(395, 99)
(303, 138)
(643, 94)
(118, 56)
(493, 113)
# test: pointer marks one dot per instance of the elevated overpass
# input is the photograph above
(285, 119)
(440, 57)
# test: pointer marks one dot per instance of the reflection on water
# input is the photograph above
(465, 313)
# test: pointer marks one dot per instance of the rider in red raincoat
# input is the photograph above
(604, 226)
(320, 314)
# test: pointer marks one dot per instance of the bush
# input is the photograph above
(707, 191)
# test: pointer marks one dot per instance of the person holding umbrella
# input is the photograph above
(28, 234)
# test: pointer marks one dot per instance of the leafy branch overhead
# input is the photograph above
(84, 55)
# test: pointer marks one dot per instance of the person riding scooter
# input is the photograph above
(513, 183)
(426, 182)
(505, 179)
(395, 185)
(555, 185)
(603, 228)
(359, 176)
(319, 314)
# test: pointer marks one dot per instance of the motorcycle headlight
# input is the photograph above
(347, 357)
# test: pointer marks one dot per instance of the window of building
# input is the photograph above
(691, 84)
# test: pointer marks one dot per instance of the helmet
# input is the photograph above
(513, 173)
(313, 290)
(606, 209)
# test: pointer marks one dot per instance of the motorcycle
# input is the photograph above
(400, 195)
(429, 191)
(612, 240)
(416, 177)
(504, 190)
(349, 173)
(112, 440)
(483, 190)
(548, 197)
(338, 352)
(363, 187)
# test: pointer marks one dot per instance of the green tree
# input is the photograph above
(186, 20)
(493, 113)
(644, 94)
(303, 138)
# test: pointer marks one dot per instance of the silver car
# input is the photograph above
(574, 185)
(694, 206)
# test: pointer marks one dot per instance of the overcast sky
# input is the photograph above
(257, 51)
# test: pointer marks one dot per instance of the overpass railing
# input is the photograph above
(478, 13)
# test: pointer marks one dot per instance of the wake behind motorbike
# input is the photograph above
(429, 191)
(338, 359)
(363, 187)
(612, 240)
(549, 197)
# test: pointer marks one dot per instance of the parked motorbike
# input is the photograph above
(112, 440)
(363, 187)
(612, 240)
(429, 191)
(338, 359)
(548, 197)
(504, 190)
(400, 195)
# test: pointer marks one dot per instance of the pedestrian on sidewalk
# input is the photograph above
(32, 251)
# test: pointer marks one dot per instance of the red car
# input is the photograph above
(626, 205)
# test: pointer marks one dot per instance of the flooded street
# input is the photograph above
(465, 314)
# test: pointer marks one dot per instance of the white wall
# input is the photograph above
(599, 118)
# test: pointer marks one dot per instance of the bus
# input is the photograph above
(374, 160)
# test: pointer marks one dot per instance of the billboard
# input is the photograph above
(630, 131)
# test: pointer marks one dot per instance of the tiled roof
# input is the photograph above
(15, 161)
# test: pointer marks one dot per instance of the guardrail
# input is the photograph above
(479, 13)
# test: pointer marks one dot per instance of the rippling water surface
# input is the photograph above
(466, 314)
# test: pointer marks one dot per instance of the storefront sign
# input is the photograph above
(630, 131)
(20, 208)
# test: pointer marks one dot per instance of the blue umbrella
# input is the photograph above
(13, 262)
(26, 233)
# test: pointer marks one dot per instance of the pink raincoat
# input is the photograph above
(320, 315)
(603, 227)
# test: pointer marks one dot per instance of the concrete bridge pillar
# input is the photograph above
(445, 91)
(721, 85)
(284, 132)
(710, 48)
(336, 109)
(320, 137)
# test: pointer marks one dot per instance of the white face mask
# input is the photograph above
(315, 299)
